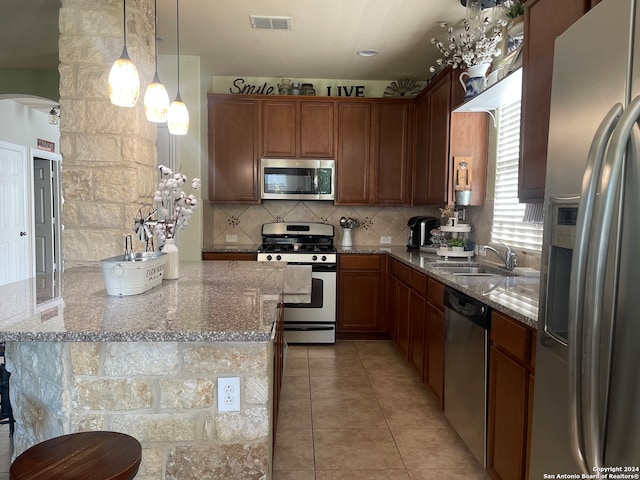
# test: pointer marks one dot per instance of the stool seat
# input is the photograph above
(80, 456)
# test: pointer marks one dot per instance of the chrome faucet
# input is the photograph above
(509, 258)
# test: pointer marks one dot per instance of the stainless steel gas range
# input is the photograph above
(306, 243)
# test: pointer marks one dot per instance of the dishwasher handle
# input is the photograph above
(467, 307)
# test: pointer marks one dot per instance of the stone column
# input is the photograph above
(109, 152)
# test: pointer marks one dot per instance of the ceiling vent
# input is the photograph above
(270, 23)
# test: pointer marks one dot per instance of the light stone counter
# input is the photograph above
(148, 365)
(212, 301)
(515, 296)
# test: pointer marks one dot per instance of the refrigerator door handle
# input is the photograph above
(590, 182)
(610, 189)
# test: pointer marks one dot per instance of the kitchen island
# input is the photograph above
(148, 365)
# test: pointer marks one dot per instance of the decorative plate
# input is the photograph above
(402, 88)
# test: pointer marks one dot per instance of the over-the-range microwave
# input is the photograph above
(297, 179)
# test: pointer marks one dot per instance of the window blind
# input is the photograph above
(508, 212)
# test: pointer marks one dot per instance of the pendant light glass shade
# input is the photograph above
(156, 101)
(178, 118)
(124, 82)
(156, 98)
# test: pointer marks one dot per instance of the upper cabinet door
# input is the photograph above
(438, 143)
(279, 128)
(544, 20)
(316, 130)
(233, 149)
(390, 152)
(420, 171)
(297, 129)
(353, 151)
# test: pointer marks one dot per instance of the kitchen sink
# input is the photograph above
(473, 270)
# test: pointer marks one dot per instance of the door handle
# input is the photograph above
(23, 234)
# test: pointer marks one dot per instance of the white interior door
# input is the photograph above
(15, 242)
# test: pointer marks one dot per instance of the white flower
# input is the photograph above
(468, 49)
(174, 207)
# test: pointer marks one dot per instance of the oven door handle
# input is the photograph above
(317, 328)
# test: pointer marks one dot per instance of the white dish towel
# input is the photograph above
(297, 284)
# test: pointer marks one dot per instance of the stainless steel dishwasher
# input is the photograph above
(466, 369)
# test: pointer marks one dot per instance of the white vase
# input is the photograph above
(346, 238)
(172, 267)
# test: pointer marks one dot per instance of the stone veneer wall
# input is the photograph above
(162, 393)
(109, 152)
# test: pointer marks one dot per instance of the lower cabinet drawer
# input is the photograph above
(360, 262)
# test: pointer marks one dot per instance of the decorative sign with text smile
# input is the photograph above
(241, 87)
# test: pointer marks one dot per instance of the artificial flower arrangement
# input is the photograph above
(468, 48)
(173, 209)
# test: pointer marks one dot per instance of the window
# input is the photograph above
(508, 213)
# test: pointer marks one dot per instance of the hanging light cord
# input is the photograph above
(178, 41)
(155, 30)
(124, 21)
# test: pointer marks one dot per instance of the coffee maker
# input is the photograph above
(419, 231)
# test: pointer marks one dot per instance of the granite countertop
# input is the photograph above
(515, 296)
(231, 247)
(212, 301)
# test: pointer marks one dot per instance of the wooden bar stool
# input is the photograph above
(80, 456)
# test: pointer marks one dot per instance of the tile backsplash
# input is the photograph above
(243, 222)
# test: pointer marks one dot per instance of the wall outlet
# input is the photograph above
(229, 394)
(232, 238)
(385, 240)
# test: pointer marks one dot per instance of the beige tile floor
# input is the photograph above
(357, 411)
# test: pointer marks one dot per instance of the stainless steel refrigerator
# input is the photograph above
(586, 413)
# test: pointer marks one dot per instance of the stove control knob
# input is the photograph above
(269, 257)
(324, 258)
(278, 258)
(314, 258)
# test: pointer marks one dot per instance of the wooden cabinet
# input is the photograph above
(278, 367)
(438, 140)
(435, 338)
(420, 172)
(373, 144)
(403, 298)
(353, 152)
(511, 379)
(440, 136)
(360, 299)
(544, 20)
(234, 140)
(230, 256)
(297, 129)
(418, 322)
(390, 152)
(416, 306)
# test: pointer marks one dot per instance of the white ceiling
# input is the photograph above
(322, 43)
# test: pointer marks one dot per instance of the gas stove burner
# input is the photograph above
(299, 242)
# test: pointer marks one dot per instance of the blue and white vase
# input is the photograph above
(475, 80)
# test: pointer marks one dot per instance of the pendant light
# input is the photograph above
(178, 118)
(124, 82)
(156, 98)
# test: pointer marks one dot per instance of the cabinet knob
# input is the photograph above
(23, 234)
